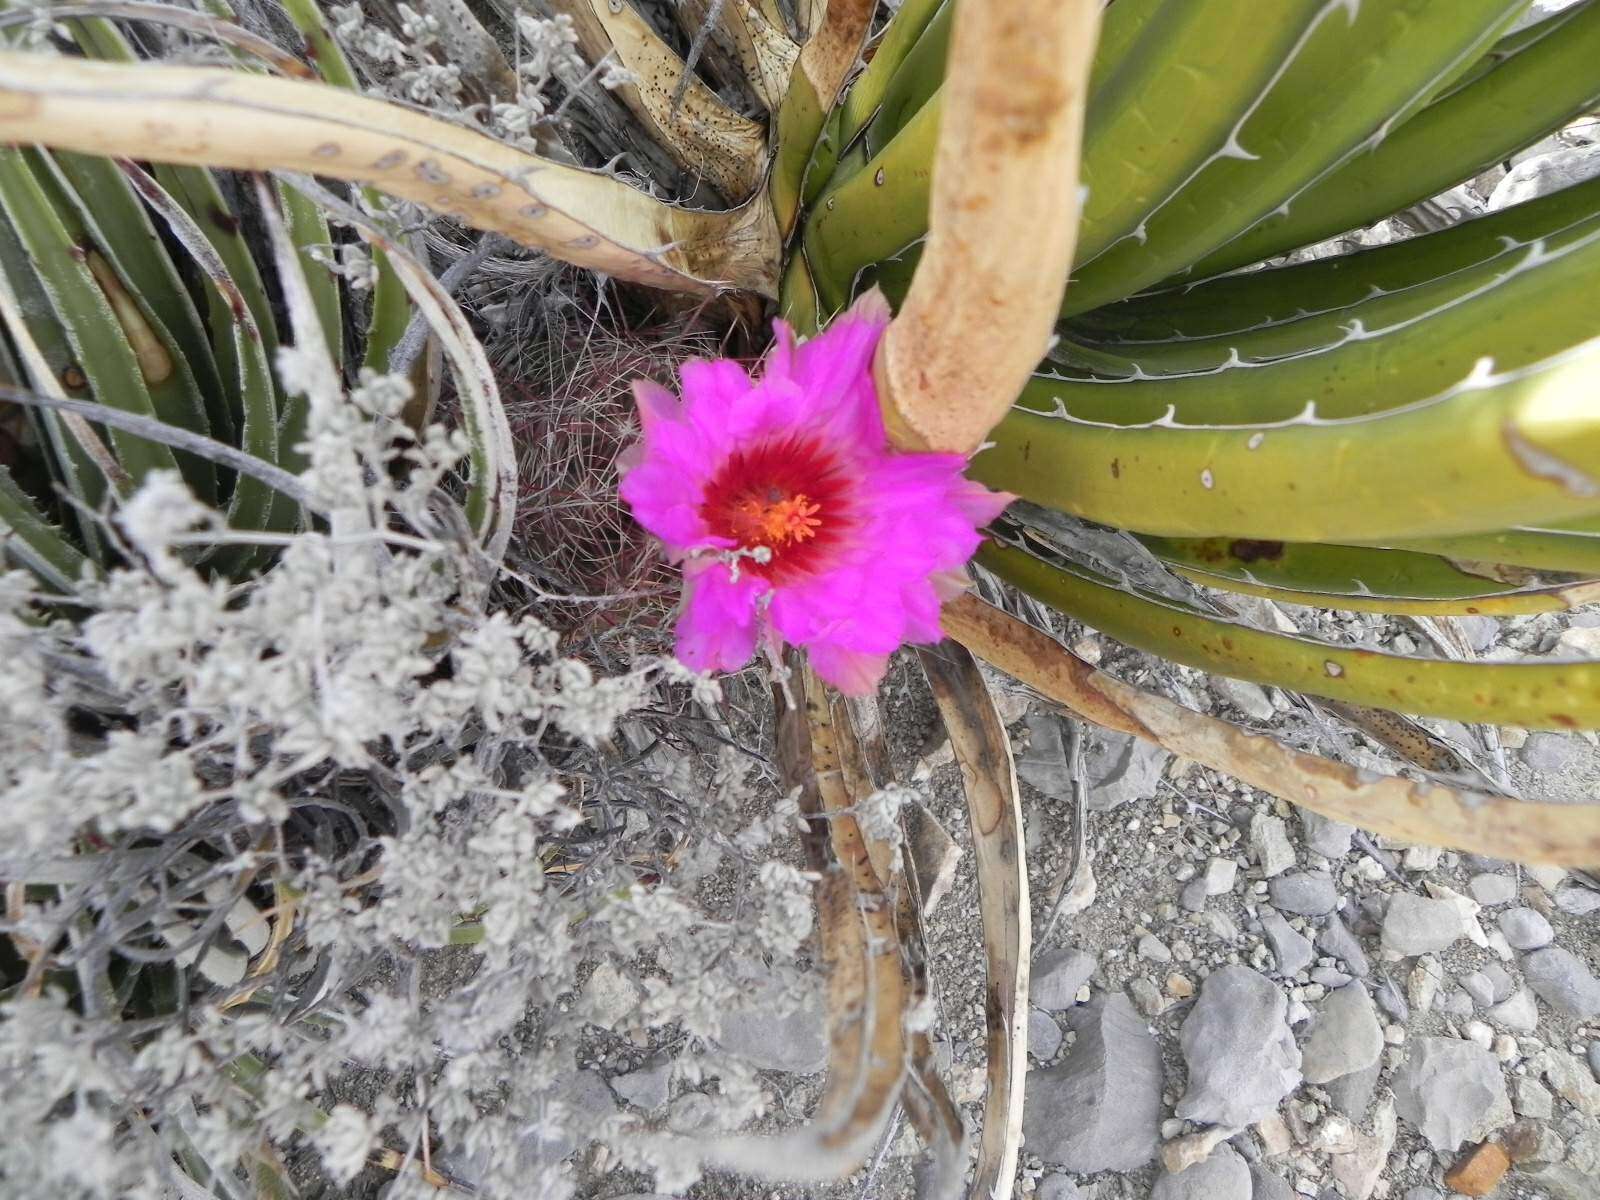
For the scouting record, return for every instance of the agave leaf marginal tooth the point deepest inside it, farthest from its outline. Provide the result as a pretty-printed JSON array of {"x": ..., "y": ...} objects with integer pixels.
[
  {"x": 1516, "y": 438},
  {"x": 1282, "y": 295},
  {"x": 1558, "y": 695},
  {"x": 1365, "y": 579},
  {"x": 703, "y": 135},
  {"x": 1335, "y": 72},
  {"x": 224, "y": 118},
  {"x": 1425, "y": 814},
  {"x": 1007, "y": 159},
  {"x": 1531, "y": 93},
  {"x": 994, "y": 807}
]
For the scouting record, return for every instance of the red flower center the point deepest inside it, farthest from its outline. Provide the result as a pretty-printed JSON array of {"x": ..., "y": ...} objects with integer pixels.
[{"x": 787, "y": 496}]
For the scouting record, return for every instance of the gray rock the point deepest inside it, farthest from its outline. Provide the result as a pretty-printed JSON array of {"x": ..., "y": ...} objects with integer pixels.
[
  {"x": 1552, "y": 753},
  {"x": 1121, "y": 768},
  {"x": 1223, "y": 1176},
  {"x": 1420, "y": 925},
  {"x": 1269, "y": 842},
  {"x": 692, "y": 1113},
  {"x": 609, "y": 995},
  {"x": 1264, "y": 1185},
  {"x": 646, "y": 1087},
  {"x": 1477, "y": 985},
  {"x": 587, "y": 1099},
  {"x": 1490, "y": 889},
  {"x": 1325, "y": 836},
  {"x": 1249, "y": 698},
  {"x": 1519, "y": 1012},
  {"x": 1044, "y": 1035},
  {"x": 1563, "y": 982},
  {"x": 771, "y": 1040},
  {"x": 1500, "y": 980},
  {"x": 1594, "y": 1058},
  {"x": 1057, "y": 976},
  {"x": 1329, "y": 977},
  {"x": 1336, "y": 939},
  {"x": 1058, "y": 1187},
  {"x": 1453, "y": 1002},
  {"x": 1347, "y": 1037},
  {"x": 1193, "y": 896},
  {"x": 1578, "y": 901},
  {"x": 1290, "y": 950},
  {"x": 1220, "y": 876},
  {"x": 1570, "y": 1077},
  {"x": 1307, "y": 893},
  {"x": 1531, "y": 1098},
  {"x": 1480, "y": 632},
  {"x": 1352, "y": 1094},
  {"x": 1154, "y": 949},
  {"x": 1240, "y": 1051},
  {"x": 1526, "y": 929},
  {"x": 1451, "y": 1090},
  {"x": 1423, "y": 1193},
  {"x": 1100, "y": 1109}
]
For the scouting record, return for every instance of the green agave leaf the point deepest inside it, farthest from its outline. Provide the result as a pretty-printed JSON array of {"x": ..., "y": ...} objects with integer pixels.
[
  {"x": 1525, "y": 304},
  {"x": 1571, "y": 547},
  {"x": 253, "y": 505},
  {"x": 171, "y": 383},
  {"x": 1359, "y": 578},
  {"x": 1259, "y": 299},
  {"x": 28, "y": 538},
  {"x": 1544, "y": 695},
  {"x": 1531, "y": 93},
  {"x": 1493, "y": 449},
  {"x": 1519, "y": 305},
  {"x": 100, "y": 346},
  {"x": 1253, "y": 105},
  {"x": 866, "y": 97},
  {"x": 915, "y": 83},
  {"x": 1511, "y": 44}
]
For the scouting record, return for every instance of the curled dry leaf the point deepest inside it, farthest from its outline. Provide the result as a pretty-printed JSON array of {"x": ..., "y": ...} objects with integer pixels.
[
  {"x": 1428, "y": 814},
  {"x": 983, "y": 303},
  {"x": 209, "y": 117},
  {"x": 989, "y": 779}
]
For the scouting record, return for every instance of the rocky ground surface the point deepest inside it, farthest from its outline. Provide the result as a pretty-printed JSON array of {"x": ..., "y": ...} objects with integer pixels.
[{"x": 1258, "y": 1003}]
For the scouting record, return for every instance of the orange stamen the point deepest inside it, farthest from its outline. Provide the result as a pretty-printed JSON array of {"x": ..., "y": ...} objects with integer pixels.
[{"x": 780, "y": 522}]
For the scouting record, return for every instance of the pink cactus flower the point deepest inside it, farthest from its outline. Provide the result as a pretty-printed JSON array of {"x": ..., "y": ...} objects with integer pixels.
[{"x": 794, "y": 519}]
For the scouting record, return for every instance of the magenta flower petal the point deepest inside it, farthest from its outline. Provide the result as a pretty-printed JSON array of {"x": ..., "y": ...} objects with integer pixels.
[
  {"x": 793, "y": 516},
  {"x": 717, "y": 628}
]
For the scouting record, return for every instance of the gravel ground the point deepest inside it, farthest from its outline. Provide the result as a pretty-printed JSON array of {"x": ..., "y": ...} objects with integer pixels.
[{"x": 1292, "y": 1007}]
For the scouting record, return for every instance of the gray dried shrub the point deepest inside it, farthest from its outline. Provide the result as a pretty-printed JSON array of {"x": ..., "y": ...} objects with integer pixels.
[{"x": 239, "y": 822}]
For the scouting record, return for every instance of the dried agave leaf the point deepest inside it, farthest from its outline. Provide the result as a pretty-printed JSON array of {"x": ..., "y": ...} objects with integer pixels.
[
  {"x": 868, "y": 989},
  {"x": 989, "y": 779},
  {"x": 210, "y": 117},
  {"x": 703, "y": 135},
  {"x": 1422, "y": 813},
  {"x": 746, "y": 38}
]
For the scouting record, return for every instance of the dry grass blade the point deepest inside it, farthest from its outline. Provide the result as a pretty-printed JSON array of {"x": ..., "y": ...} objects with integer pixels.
[
  {"x": 868, "y": 992},
  {"x": 218, "y": 118},
  {"x": 1523, "y": 831},
  {"x": 983, "y": 752},
  {"x": 983, "y": 303},
  {"x": 703, "y": 135}
]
